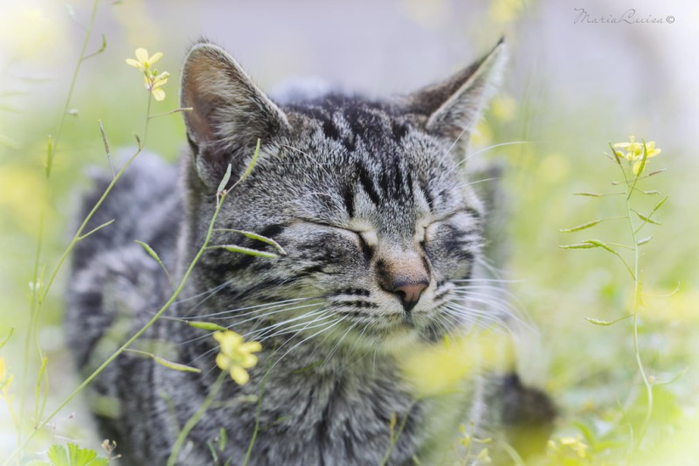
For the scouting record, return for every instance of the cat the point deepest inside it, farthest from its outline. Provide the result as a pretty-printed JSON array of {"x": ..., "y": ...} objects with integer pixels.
[{"x": 380, "y": 232}]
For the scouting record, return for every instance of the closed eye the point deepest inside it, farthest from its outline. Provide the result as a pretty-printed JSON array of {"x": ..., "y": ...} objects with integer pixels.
[
  {"x": 366, "y": 239},
  {"x": 466, "y": 220}
]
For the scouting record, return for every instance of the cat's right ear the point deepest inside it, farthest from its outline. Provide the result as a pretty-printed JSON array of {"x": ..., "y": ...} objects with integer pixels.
[
  {"x": 229, "y": 113},
  {"x": 453, "y": 107}
]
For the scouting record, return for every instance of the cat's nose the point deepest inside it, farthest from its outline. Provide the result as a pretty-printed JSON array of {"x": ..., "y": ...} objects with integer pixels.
[
  {"x": 409, "y": 292},
  {"x": 405, "y": 274}
]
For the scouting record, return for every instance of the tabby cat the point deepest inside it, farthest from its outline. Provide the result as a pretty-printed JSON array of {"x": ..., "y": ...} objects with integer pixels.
[{"x": 383, "y": 240}]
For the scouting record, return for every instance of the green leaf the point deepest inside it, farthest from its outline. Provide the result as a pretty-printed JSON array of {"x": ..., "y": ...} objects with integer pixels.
[
  {"x": 588, "y": 194},
  {"x": 96, "y": 229},
  {"x": 644, "y": 218},
  {"x": 586, "y": 431},
  {"x": 224, "y": 181},
  {"x": 206, "y": 326},
  {"x": 605, "y": 323},
  {"x": 252, "y": 163},
  {"x": 49, "y": 156},
  {"x": 606, "y": 247},
  {"x": 578, "y": 246},
  {"x": 594, "y": 243},
  {"x": 643, "y": 162},
  {"x": 83, "y": 456},
  {"x": 616, "y": 157},
  {"x": 644, "y": 241},
  {"x": 73, "y": 455},
  {"x": 164, "y": 362},
  {"x": 155, "y": 256},
  {"x": 653, "y": 173},
  {"x": 107, "y": 150},
  {"x": 212, "y": 451},
  {"x": 174, "y": 365},
  {"x": 150, "y": 251},
  {"x": 104, "y": 44},
  {"x": 58, "y": 455},
  {"x": 658, "y": 206},
  {"x": 250, "y": 166},
  {"x": 248, "y": 251},
  {"x": 640, "y": 171},
  {"x": 584, "y": 226},
  {"x": 7, "y": 338},
  {"x": 257, "y": 237},
  {"x": 599, "y": 244},
  {"x": 222, "y": 439}
]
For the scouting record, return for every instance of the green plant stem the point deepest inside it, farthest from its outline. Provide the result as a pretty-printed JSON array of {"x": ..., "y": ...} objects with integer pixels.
[
  {"x": 35, "y": 306},
  {"x": 394, "y": 441},
  {"x": 174, "y": 453},
  {"x": 636, "y": 304},
  {"x": 259, "y": 411},
  {"x": 78, "y": 234},
  {"x": 143, "y": 329}
]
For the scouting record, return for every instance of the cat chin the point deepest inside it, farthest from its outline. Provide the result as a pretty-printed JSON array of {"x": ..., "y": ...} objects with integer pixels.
[{"x": 400, "y": 340}]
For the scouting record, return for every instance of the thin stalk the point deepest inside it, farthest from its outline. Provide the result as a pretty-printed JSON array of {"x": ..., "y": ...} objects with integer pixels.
[
  {"x": 636, "y": 348},
  {"x": 35, "y": 306},
  {"x": 394, "y": 441},
  {"x": 177, "y": 110},
  {"x": 143, "y": 329},
  {"x": 78, "y": 234},
  {"x": 259, "y": 412},
  {"x": 196, "y": 417}
]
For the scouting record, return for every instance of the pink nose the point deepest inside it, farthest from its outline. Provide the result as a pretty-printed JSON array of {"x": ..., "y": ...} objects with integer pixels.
[{"x": 409, "y": 292}]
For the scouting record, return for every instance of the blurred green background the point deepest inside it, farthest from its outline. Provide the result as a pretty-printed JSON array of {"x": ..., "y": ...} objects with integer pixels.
[{"x": 572, "y": 87}]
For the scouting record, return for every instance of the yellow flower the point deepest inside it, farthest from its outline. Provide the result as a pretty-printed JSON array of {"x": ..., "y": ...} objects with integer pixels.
[
  {"x": 154, "y": 83},
  {"x": 634, "y": 152},
  {"x": 5, "y": 380},
  {"x": 236, "y": 355},
  {"x": 143, "y": 62},
  {"x": 483, "y": 456},
  {"x": 152, "y": 80},
  {"x": 575, "y": 444},
  {"x": 436, "y": 369}
]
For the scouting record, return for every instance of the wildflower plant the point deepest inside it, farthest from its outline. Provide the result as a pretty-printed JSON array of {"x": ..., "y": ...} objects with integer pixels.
[
  {"x": 236, "y": 355},
  {"x": 467, "y": 440},
  {"x": 152, "y": 80},
  {"x": 634, "y": 152},
  {"x": 41, "y": 286},
  {"x": 568, "y": 450},
  {"x": 631, "y": 158}
]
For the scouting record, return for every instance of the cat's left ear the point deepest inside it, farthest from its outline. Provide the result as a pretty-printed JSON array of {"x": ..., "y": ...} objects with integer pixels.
[
  {"x": 229, "y": 113},
  {"x": 454, "y": 106}
]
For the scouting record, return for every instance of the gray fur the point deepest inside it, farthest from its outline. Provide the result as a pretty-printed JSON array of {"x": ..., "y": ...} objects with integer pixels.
[{"x": 355, "y": 191}]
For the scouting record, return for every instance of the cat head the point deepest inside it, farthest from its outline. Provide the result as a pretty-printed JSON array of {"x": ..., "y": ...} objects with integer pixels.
[{"x": 367, "y": 198}]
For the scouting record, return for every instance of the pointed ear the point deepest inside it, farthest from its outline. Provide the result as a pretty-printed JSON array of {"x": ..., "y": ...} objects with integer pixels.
[
  {"x": 229, "y": 113},
  {"x": 454, "y": 106}
]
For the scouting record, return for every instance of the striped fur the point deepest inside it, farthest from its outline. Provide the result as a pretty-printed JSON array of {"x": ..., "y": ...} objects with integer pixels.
[{"x": 370, "y": 202}]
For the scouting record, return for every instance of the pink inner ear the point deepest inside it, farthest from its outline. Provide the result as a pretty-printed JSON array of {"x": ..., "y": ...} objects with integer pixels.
[
  {"x": 198, "y": 119},
  {"x": 194, "y": 94}
]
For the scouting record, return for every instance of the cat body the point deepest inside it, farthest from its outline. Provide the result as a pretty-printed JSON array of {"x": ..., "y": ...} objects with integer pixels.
[{"x": 380, "y": 232}]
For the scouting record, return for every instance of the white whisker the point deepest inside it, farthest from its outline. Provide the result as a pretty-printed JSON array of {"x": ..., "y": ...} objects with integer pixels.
[{"x": 306, "y": 339}]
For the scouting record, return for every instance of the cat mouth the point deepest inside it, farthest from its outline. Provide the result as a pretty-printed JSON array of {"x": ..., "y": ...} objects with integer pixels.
[{"x": 408, "y": 320}]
